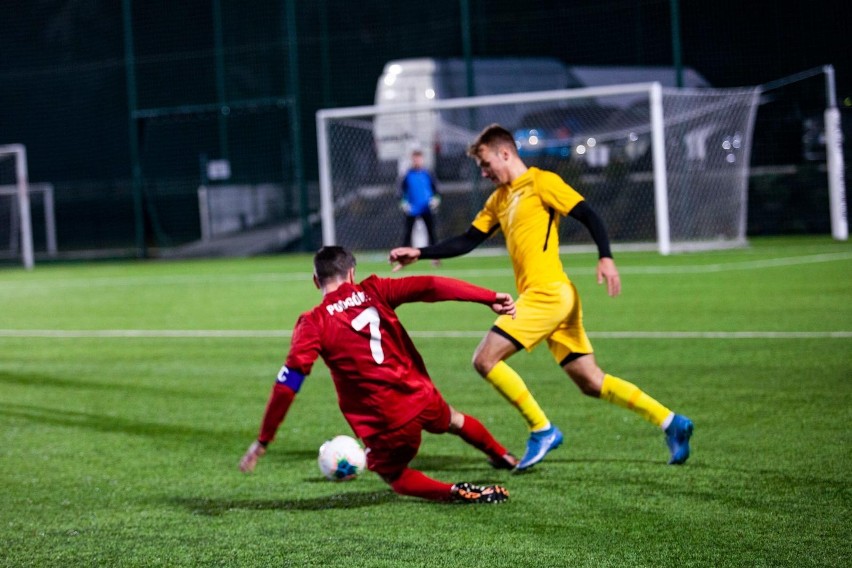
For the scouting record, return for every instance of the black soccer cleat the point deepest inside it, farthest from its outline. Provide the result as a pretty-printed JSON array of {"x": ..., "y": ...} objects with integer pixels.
[{"x": 465, "y": 492}]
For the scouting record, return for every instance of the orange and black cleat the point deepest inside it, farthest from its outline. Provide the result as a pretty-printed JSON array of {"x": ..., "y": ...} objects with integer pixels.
[{"x": 469, "y": 493}]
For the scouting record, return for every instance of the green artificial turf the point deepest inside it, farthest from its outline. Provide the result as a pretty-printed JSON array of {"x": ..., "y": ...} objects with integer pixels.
[{"x": 129, "y": 391}]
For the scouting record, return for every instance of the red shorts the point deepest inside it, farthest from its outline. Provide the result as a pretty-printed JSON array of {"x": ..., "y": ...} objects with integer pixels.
[{"x": 388, "y": 453}]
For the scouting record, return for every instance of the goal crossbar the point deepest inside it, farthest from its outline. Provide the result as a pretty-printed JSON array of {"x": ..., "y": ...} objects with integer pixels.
[{"x": 482, "y": 100}]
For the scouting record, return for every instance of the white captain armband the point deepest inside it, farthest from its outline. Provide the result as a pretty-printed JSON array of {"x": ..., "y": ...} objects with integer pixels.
[{"x": 291, "y": 378}]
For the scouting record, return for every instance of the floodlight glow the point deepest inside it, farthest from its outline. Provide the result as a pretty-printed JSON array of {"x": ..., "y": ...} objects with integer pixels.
[{"x": 393, "y": 71}]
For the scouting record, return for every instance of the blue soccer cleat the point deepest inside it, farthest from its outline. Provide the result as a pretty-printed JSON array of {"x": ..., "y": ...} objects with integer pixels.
[
  {"x": 677, "y": 438},
  {"x": 538, "y": 445}
]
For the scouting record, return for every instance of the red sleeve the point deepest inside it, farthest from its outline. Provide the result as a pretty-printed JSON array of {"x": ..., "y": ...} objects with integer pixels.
[
  {"x": 304, "y": 345},
  {"x": 430, "y": 289},
  {"x": 304, "y": 350},
  {"x": 279, "y": 403}
]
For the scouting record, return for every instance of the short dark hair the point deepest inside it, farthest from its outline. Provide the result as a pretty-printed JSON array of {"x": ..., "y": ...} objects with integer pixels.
[
  {"x": 492, "y": 136},
  {"x": 332, "y": 262}
]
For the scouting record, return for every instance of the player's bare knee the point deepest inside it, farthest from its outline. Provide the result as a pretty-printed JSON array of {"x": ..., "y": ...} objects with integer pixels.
[
  {"x": 482, "y": 364},
  {"x": 588, "y": 388},
  {"x": 586, "y": 374},
  {"x": 456, "y": 421},
  {"x": 588, "y": 383}
]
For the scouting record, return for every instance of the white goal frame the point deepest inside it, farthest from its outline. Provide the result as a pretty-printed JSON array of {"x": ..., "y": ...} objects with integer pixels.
[
  {"x": 46, "y": 191},
  {"x": 19, "y": 153},
  {"x": 654, "y": 91},
  {"x": 834, "y": 158}
]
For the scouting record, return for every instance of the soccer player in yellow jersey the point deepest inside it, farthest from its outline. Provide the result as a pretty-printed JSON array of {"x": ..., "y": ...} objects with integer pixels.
[{"x": 527, "y": 205}]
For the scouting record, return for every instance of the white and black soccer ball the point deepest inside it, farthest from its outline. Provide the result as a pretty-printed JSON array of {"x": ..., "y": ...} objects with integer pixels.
[{"x": 341, "y": 458}]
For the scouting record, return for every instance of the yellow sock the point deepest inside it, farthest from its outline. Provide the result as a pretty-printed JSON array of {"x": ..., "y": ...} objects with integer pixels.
[
  {"x": 627, "y": 395},
  {"x": 512, "y": 387}
]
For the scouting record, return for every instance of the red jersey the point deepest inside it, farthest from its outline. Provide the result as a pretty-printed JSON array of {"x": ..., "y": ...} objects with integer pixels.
[{"x": 380, "y": 378}]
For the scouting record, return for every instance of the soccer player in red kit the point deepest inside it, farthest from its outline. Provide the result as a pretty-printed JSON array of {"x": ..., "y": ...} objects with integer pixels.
[{"x": 383, "y": 388}]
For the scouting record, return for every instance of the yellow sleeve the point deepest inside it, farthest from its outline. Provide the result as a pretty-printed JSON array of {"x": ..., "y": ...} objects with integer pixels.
[
  {"x": 555, "y": 193},
  {"x": 487, "y": 218}
]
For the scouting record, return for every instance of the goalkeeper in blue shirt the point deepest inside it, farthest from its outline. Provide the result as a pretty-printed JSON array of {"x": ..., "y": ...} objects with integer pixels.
[{"x": 420, "y": 198}]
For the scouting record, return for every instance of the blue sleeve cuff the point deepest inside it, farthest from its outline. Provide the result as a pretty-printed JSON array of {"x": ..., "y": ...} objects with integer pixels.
[{"x": 291, "y": 378}]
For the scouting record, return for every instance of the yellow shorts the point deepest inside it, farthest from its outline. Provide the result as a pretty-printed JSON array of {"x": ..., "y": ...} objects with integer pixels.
[{"x": 554, "y": 313}]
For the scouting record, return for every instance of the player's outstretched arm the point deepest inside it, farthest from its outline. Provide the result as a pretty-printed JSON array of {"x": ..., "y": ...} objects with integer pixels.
[
  {"x": 504, "y": 305},
  {"x": 254, "y": 453},
  {"x": 448, "y": 248},
  {"x": 281, "y": 398},
  {"x": 403, "y": 256}
]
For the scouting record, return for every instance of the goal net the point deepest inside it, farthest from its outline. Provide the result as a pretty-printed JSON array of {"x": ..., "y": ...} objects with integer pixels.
[{"x": 663, "y": 167}]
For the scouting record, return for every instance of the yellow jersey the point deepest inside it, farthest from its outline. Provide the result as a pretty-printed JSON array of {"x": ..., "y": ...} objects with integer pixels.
[{"x": 528, "y": 212}]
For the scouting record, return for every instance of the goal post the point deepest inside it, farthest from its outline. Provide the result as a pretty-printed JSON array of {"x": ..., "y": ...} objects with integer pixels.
[
  {"x": 17, "y": 153},
  {"x": 661, "y": 187},
  {"x": 666, "y": 168},
  {"x": 834, "y": 158},
  {"x": 836, "y": 178}
]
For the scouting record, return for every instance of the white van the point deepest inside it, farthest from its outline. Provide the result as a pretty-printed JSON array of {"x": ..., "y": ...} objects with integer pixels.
[{"x": 443, "y": 136}]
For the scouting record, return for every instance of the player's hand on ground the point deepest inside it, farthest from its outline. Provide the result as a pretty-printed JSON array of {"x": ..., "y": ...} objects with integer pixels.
[
  {"x": 607, "y": 272},
  {"x": 504, "y": 305},
  {"x": 252, "y": 455},
  {"x": 403, "y": 256}
]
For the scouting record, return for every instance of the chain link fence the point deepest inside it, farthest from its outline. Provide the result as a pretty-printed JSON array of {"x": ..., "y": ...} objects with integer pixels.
[{"x": 203, "y": 82}]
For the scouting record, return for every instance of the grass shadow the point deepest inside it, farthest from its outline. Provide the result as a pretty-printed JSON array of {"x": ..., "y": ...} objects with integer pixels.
[
  {"x": 353, "y": 500},
  {"x": 54, "y": 382},
  {"x": 112, "y": 424}
]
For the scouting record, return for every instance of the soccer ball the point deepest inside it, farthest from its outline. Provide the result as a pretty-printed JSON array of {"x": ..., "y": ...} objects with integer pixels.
[{"x": 341, "y": 458}]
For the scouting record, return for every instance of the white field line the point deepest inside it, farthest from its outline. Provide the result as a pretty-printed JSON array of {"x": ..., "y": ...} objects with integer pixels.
[
  {"x": 272, "y": 334},
  {"x": 746, "y": 265},
  {"x": 685, "y": 269},
  {"x": 459, "y": 273}
]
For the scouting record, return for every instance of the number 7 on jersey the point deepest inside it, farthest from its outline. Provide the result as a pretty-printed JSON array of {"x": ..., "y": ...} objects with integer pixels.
[{"x": 370, "y": 316}]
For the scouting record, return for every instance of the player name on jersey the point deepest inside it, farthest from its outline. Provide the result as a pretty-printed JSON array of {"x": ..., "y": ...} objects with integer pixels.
[{"x": 356, "y": 299}]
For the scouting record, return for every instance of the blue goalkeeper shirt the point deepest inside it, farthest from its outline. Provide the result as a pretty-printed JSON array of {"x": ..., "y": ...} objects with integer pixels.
[{"x": 418, "y": 187}]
